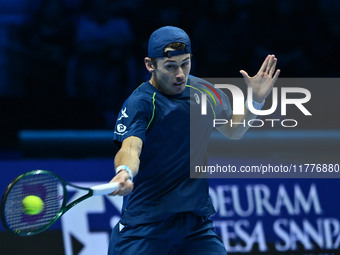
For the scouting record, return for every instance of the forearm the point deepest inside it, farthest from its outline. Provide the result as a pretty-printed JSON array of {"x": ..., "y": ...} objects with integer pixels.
[
  {"x": 126, "y": 158},
  {"x": 127, "y": 165},
  {"x": 129, "y": 153}
]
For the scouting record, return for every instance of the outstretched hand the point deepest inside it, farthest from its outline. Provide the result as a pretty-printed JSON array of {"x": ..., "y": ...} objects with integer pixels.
[{"x": 263, "y": 82}]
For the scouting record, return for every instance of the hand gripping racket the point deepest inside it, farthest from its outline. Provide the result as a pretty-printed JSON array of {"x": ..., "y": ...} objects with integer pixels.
[{"x": 52, "y": 190}]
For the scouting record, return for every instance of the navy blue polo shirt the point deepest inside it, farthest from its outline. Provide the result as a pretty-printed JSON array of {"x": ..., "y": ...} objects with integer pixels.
[{"x": 163, "y": 186}]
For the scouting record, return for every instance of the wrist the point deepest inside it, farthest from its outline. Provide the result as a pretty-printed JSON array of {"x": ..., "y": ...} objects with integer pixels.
[
  {"x": 126, "y": 169},
  {"x": 256, "y": 105}
]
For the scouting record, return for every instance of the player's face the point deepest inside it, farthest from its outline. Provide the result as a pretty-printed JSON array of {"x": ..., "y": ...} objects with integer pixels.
[{"x": 171, "y": 74}]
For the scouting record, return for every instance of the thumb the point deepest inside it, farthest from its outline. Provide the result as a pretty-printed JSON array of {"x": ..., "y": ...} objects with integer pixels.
[{"x": 244, "y": 74}]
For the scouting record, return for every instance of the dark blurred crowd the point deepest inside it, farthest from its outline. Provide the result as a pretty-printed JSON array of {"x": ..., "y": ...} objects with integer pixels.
[{"x": 81, "y": 55}]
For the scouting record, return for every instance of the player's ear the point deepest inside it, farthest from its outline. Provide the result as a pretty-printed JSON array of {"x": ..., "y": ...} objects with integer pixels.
[{"x": 149, "y": 65}]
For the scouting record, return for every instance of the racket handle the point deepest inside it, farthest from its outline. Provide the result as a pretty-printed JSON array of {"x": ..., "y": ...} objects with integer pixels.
[{"x": 104, "y": 189}]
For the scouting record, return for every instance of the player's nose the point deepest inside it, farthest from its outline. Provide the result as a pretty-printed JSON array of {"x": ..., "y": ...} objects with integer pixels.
[{"x": 180, "y": 74}]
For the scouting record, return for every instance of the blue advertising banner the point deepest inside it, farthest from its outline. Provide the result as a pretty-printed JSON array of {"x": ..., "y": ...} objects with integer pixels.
[{"x": 277, "y": 215}]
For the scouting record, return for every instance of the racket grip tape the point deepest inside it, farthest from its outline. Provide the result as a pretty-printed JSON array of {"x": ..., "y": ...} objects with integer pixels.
[{"x": 104, "y": 189}]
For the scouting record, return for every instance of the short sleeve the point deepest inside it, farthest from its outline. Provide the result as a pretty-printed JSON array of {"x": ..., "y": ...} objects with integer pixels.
[
  {"x": 219, "y": 100},
  {"x": 133, "y": 119}
]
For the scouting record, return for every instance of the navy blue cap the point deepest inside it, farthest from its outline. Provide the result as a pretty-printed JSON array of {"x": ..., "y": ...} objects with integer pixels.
[{"x": 164, "y": 36}]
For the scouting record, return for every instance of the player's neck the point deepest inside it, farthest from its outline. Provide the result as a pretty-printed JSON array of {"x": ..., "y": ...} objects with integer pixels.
[{"x": 154, "y": 83}]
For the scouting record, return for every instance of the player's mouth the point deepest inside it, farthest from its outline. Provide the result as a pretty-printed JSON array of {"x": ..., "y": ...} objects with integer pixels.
[{"x": 179, "y": 84}]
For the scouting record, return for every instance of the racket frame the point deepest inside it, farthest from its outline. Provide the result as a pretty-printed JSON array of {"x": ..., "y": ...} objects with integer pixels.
[{"x": 64, "y": 207}]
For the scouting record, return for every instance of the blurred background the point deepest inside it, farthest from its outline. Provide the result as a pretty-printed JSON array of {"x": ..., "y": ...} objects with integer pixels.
[
  {"x": 69, "y": 64},
  {"x": 66, "y": 67}
]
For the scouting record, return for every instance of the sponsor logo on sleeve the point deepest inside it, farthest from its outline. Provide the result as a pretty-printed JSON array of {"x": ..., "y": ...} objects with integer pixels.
[
  {"x": 121, "y": 129},
  {"x": 123, "y": 114}
]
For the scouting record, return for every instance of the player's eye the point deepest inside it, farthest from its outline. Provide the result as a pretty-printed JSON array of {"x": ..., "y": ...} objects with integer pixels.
[
  {"x": 171, "y": 67},
  {"x": 185, "y": 64}
]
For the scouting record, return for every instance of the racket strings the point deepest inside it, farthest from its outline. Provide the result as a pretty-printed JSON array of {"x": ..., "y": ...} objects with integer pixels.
[{"x": 45, "y": 186}]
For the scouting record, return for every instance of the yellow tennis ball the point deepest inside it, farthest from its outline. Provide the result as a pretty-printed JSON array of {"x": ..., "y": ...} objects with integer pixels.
[{"x": 32, "y": 205}]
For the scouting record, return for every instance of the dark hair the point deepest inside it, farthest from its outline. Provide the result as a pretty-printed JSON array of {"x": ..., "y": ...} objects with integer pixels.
[{"x": 174, "y": 46}]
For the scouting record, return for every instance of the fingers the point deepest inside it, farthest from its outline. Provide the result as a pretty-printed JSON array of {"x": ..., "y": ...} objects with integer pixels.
[
  {"x": 125, "y": 188},
  {"x": 264, "y": 65},
  {"x": 277, "y": 73},
  {"x": 267, "y": 68},
  {"x": 272, "y": 66},
  {"x": 269, "y": 65},
  {"x": 125, "y": 184}
]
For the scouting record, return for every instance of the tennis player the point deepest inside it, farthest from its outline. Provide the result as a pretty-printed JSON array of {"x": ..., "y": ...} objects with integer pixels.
[{"x": 164, "y": 210}]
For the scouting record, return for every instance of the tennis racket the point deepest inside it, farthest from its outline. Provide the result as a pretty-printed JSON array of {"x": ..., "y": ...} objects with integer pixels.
[{"x": 52, "y": 190}]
